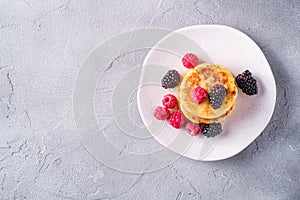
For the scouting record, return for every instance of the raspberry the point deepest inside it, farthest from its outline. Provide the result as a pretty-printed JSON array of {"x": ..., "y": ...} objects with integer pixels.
[
  {"x": 190, "y": 60},
  {"x": 177, "y": 119},
  {"x": 217, "y": 95},
  {"x": 212, "y": 130},
  {"x": 193, "y": 128},
  {"x": 161, "y": 113},
  {"x": 169, "y": 101},
  {"x": 199, "y": 95},
  {"x": 171, "y": 79},
  {"x": 247, "y": 83}
]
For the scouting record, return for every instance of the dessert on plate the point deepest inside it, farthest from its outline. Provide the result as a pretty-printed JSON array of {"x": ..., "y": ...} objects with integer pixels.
[{"x": 206, "y": 95}]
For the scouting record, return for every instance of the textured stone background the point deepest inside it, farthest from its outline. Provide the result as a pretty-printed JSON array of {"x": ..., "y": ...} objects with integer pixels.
[{"x": 43, "y": 44}]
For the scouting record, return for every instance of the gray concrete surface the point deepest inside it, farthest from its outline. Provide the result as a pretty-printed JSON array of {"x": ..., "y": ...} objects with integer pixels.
[{"x": 44, "y": 43}]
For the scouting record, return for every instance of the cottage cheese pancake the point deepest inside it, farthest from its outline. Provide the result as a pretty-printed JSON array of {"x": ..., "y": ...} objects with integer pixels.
[{"x": 206, "y": 76}]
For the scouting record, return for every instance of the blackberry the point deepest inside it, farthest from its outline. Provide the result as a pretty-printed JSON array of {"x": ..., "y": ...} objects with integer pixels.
[
  {"x": 212, "y": 130},
  {"x": 171, "y": 79},
  {"x": 247, "y": 83},
  {"x": 217, "y": 95}
]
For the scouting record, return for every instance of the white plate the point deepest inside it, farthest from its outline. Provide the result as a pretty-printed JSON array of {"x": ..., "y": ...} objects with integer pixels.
[{"x": 217, "y": 44}]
